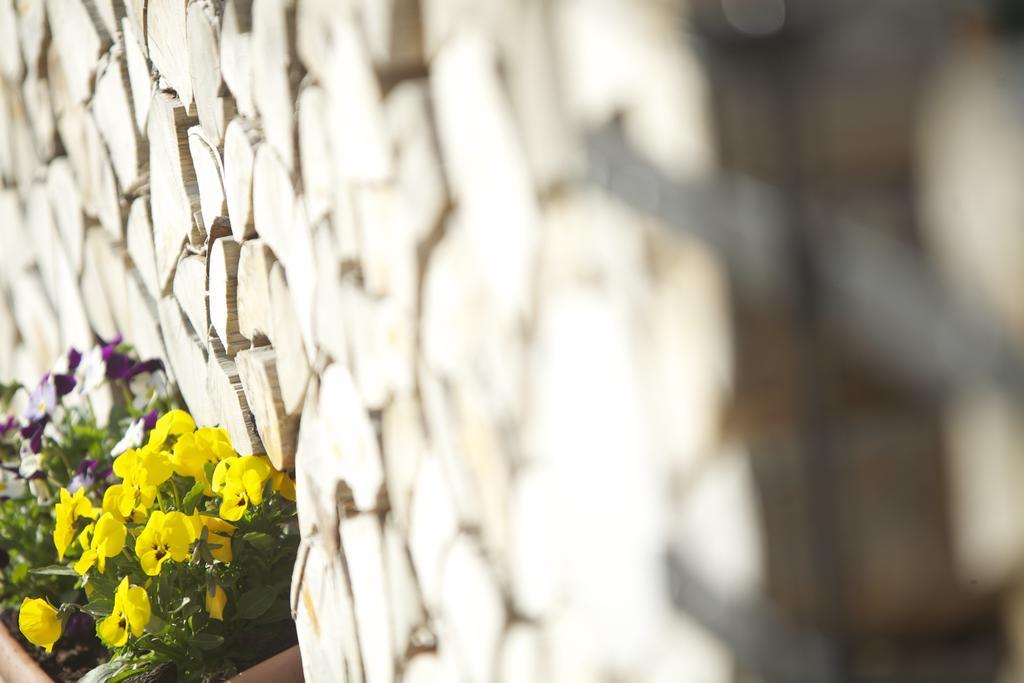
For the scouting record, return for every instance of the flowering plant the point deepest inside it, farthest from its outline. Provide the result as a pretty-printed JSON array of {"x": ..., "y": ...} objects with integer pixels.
[
  {"x": 64, "y": 433},
  {"x": 186, "y": 555}
]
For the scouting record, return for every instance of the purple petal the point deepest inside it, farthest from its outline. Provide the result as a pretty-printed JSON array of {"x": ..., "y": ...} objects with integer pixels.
[
  {"x": 74, "y": 358},
  {"x": 7, "y": 425},
  {"x": 118, "y": 365},
  {"x": 79, "y": 625},
  {"x": 149, "y": 421},
  {"x": 79, "y": 481},
  {"x": 64, "y": 384},
  {"x": 108, "y": 347},
  {"x": 33, "y": 431},
  {"x": 86, "y": 465},
  {"x": 150, "y": 366}
]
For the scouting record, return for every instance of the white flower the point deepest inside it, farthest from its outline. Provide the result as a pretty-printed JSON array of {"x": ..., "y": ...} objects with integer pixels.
[
  {"x": 91, "y": 371},
  {"x": 131, "y": 439},
  {"x": 11, "y": 485},
  {"x": 41, "y": 490},
  {"x": 43, "y": 399},
  {"x": 145, "y": 387},
  {"x": 30, "y": 462},
  {"x": 52, "y": 431}
]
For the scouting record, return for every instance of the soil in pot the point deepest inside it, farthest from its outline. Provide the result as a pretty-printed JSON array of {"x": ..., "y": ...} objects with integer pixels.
[{"x": 75, "y": 654}]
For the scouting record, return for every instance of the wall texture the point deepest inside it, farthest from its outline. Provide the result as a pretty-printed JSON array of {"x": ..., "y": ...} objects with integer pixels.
[{"x": 360, "y": 235}]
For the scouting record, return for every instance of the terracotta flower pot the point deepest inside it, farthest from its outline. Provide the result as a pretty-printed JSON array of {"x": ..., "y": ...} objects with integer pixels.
[
  {"x": 16, "y": 666},
  {"x": 284, "y": 667}
]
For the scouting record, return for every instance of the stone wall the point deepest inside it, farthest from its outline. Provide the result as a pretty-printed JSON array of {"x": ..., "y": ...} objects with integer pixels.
[{"x": 360, "y": 235}]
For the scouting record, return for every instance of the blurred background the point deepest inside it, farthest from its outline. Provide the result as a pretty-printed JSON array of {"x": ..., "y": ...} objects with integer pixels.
[{"x": 867, "y": 156}]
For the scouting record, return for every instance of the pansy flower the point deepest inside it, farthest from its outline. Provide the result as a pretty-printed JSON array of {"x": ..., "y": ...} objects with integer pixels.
[
  {"x": 166, "y": 537},
  {"x": 40, "y": 622},
  {"x": 92, "y": 371},
  {"x": 100, "y": 541},
  {"x": 42, "y": 400},
  {"x": 71, "y": 508},
  {"x": 132, "y": 437},
  {"x": 147, "y": 383},
  {"x": 12, "y": 484},
  {"x": 239, "y": 482},
  {"x": 7, "y": 425},
  {"x": 131, "y": 614},
  {"x": 87, "y": 474}
]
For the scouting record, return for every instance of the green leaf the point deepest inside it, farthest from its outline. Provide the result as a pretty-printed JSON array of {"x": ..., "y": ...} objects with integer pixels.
[
  {"x": 54, "y": 570},
  {"x": 192, "y": 498},
  {"x": 184, "y": 603},
  {"x": 279, "y": 611},
  {"x": 99, "y": 608},
  {"x": 259, "y": 540},
  {"x": 19, "y": 573},
  {"x": 102, "y": 673},
  {"x": 254, "y": 603},
  {"x": 7, "y": 392},
  {"x": 207, "y": 641}
]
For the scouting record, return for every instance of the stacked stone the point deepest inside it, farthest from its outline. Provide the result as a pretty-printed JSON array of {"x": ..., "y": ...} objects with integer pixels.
[{"x": 360, "y": 235}]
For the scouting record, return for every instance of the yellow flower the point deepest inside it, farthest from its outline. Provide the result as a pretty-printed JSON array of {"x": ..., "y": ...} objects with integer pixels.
[
  {"x": 142, "y": 470},
  {"x": 112, "y": 502},
  {"x": 240, "y": 482},
  {"x": 194, "y": 451},
  {"x": 283, "y": 484},
  {"x": 215, "y": 602},
  {"x": 219, "y": 534},
  {"x": 107, "y": 540},
  {"x": 166, "y": 536},
  {"x": 69, "y": 510},
  {"x": 173, "y": 423},
  {"x": 131, "y": 613},
  {"x": 39, "y": 622}
]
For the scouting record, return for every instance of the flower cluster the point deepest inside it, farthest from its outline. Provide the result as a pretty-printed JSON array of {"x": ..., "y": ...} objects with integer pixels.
[
  {"x": 64, "y": 434},
  {"x": 175, "y": 551}
]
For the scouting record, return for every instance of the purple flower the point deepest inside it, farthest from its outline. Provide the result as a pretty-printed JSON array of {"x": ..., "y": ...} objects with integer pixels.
[
  {"x": 108, "y": 347},
  {"x": 149, "y": 366},
  {"x": 43, "y": 398},
  {"x": 149, "y": 421},
  {"x": 33, "y": 432},
  {"x": 78, "y": 626},
  {"x": 119, "y": 366},
  {"x": 74, "y": 358},
  {"x": 87, "y": 474},
  {"x": 8, "y": 424},
  {"x": 64, "y": 384}
]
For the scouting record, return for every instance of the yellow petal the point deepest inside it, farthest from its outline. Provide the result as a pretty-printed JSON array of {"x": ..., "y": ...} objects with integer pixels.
[
  {"x": 109, "y": 536},
  {"x": 215, "y": 603},
  {"x": 157, "y": 467},
  {"x": 150, "y": 564},
  {"x": 126, "y": 463},
  {"x": 284, "y": 485},
  {"x": 221, "y": 473},
  {"x": 136, "y": 609},
  {"x": 253, "y": 486},
  {"x": 112, "y": 630},
  {"x": 86, "y": 561},
  {"x": 173, "y": 423},
  {"x": 39, "y": 623}
]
